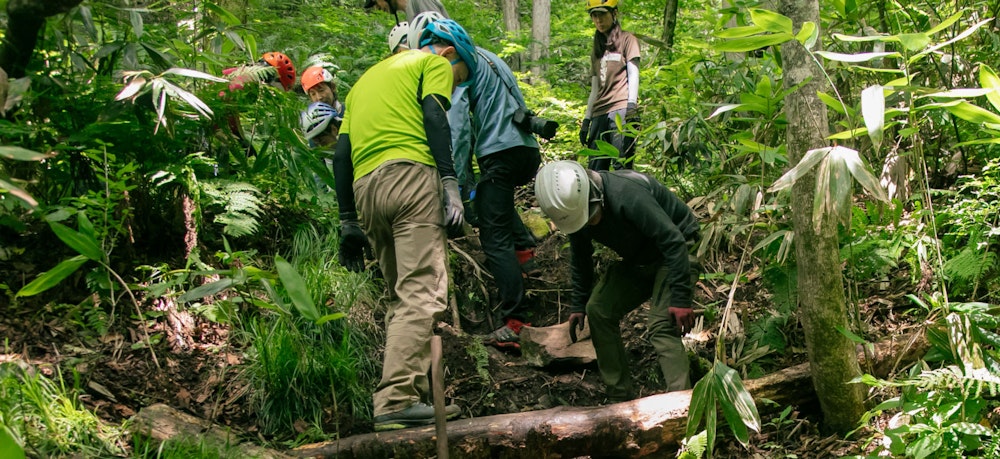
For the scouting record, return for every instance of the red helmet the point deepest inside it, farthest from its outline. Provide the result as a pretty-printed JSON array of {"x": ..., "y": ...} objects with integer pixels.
[
  {"x": 315, "y": 75},
  {"x": 286, "y": 70}
]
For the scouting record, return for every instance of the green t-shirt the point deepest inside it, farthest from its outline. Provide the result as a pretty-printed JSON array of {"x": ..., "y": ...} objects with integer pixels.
[{"x": 384, "y": 117}]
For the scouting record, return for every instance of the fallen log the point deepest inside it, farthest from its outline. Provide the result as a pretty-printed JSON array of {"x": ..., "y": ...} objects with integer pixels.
[
  {"x": 161, "y": 423},
  {"x": 639, "y": 428}
]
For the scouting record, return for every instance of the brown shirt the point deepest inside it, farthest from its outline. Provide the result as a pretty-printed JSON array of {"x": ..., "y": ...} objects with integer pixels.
[{"x": 612, "y": 81}]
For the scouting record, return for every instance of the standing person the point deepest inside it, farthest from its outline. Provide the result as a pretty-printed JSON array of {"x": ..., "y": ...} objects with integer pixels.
[
  {"x": 395, "y": 147},
  {"x": 508, "y": 157},
  {"x": 409, "y": 7},
  {"x": 614, "y": 86},
  {"x": 652, "y": 230}
]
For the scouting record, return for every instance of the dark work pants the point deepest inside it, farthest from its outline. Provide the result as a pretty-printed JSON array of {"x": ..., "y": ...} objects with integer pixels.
[
  {"x": 604, "y": 128},
  {"x": 500, "y": 226}
]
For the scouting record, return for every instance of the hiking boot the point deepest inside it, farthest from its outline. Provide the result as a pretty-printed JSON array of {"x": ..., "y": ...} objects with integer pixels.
[
  {"x": 419, "y": 414},
  {"x": 529, "y": 268},
  {"x": 506, "y": 336}
]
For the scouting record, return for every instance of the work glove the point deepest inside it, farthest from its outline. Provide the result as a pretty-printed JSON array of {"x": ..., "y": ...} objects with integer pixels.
[
  {"x": 683, "y": 317},
  {"x": 576, "y": 320},
  {"x": 585, "y": 132},
  {"x": 352, "y": 245},
  {"x": 631, "y": 110},
  {"x": 453, "y": 209}
]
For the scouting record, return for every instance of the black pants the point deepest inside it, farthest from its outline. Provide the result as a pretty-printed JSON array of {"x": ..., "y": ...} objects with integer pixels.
[
  {"x": 604, "y": 128},
  {"x": 500, "y": 226}
]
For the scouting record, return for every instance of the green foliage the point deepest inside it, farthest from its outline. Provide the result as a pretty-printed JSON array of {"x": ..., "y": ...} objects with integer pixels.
[
  {"x": 44, "y": 417},
  {"x": 240, "y": 202},
  {"x": 183, "y": 448},
  {"x": 722, "y": 389},
  {"x": 940, "y": 410}
]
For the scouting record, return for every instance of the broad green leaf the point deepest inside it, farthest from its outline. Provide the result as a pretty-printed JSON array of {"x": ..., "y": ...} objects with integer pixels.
[
  {"x": 771, "y": 21},
  {"x": 204, "y": 290},
  {"x": 854, "y": 58},
  {"x": 971, "y": 428},
  {"x": 737, "y": 404},
  {"x": 873, "y": 112},
  {"x": 924, "y": 446},
  {"x": 329, "y": 317},
  {"x": 740, "y": 45},
  {"x": 740, "y": 32},
  {"x": 136, "y": 19},
  {"x": 808, "y": 34},
  {"x": 194, "y": 74},
  {"x": 53, "y": 277},
  {"x": 844, "y": 135},
  {"x": 832, "y": 102},
  {"x": 229, "y": 18},
  {"x": 701, "y": 399},
  {"x": 945, "y": 24},
  {"x": 297, "y": 290},
  {"x": 867, "y": 38},
  {"x": 9, "y": 448},
  {"x": 914, "y": 41},
  {"x": 988, "y": 79},
  {"x": 992, "y": 141},
  {"x": 22, "y": 154},
  {"x": 18, "y": 193},
  {"x": 960, "y": 93},
  {"x": 972, "y": 113},
  {"x": 85, "y": 226},
  {"x": 84, "y": 245},
  {"x": 958, "y": 37}
]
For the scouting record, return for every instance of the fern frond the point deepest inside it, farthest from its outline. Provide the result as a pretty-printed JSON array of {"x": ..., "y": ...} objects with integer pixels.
[{"x": 241, "y": 205}]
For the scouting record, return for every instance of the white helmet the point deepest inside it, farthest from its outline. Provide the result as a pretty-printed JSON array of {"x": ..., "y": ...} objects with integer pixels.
[
  {"x": 418, "y": 25},
  {"x": 563, "y": 192},
  {"x": 397, "y": 36},
  {"x": 317, "y": 118}
]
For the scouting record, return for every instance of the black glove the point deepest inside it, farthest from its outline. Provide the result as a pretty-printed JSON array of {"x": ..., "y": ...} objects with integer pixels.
[
  {"x": 631, "y": 110},
  {"x": 585, "y": 132},
  {"x": 352, "y": 245},
  {"x": 576, "y": 320}
]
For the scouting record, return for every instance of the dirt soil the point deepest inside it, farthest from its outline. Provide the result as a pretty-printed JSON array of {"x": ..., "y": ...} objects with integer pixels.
[{"x": 195, "y": 368}]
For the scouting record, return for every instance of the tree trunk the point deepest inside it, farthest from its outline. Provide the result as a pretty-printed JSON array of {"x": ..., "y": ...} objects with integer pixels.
[
  {"x": 25, "y": 19},
  {"x": 512, "y": 24},
  {"x": 648, "y": 427},
  {"x": 669, "y": 23},
  {"x": 541, "y": 11},
  {"x": 820, "y": 285}
]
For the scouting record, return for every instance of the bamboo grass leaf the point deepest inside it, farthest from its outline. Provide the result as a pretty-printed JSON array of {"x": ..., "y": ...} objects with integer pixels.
[
  {"x": 194, "y": 74},
  {"x": 53, "y": 277},
  {"x": 988, "y": 79},
  {"x": 806, "y": 165},
  {"x": 739, "y": 45},
  {"x": 855, "y": 58},
  {"x": 873, "y": 111},
  {"x": 295, "y": 285},
  {"x": 958, "y": 37},
  {"x": 771, "y": 21},
  {"x": 18, "y": 193},
  {"x": 22, "y": 154},
  {"x": 84, "y": 245}
]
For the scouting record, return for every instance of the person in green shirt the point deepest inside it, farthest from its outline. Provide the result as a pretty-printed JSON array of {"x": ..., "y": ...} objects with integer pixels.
[{"x": 393, "y": 167}]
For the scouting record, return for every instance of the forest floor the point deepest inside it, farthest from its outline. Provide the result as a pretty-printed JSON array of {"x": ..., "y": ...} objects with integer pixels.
[{"x": 198, "y": 368}]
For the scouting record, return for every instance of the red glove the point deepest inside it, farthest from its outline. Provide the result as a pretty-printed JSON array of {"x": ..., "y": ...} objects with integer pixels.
[
  {"x": 576, "y": 320},
  {"x": 683, "y": 317}
]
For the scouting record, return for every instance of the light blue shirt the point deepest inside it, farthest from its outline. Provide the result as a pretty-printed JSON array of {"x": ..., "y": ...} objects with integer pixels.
[{"x": 492, "y": 99}]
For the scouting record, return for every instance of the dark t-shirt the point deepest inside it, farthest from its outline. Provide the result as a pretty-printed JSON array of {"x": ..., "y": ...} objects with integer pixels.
[{"x": 612, "y": 79}]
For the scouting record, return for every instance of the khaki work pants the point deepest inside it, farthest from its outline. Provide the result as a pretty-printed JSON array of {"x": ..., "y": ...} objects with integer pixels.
[{"x": 401, "y": 208}]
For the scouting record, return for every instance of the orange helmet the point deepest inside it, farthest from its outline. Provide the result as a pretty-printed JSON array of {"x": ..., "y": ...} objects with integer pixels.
[
  {"x": 286, "y": 70},
  {"x": 315, "y": 75}
]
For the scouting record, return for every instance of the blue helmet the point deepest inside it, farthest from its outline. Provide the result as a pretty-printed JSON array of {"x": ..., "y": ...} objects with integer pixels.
[{"x": 450, "y": 31}]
